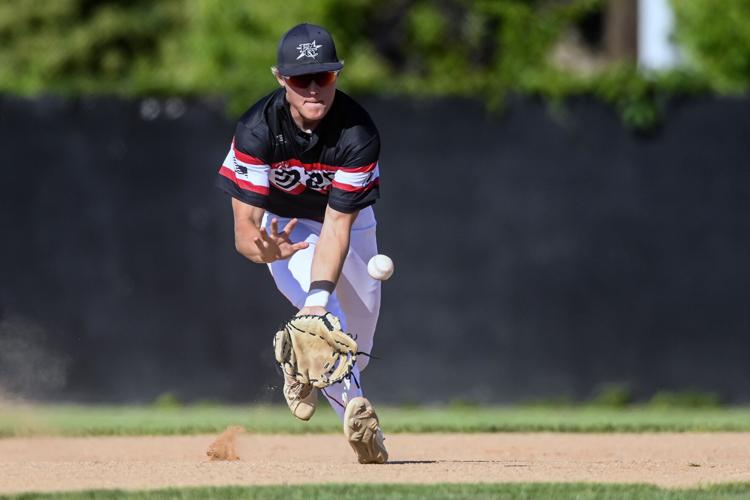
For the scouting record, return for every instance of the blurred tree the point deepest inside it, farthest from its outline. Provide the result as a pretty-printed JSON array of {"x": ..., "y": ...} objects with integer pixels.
[
  {"x": 479, "y": 48},
  {"x": 716, "y": 37},
  {"x": 79, "y": 46}
]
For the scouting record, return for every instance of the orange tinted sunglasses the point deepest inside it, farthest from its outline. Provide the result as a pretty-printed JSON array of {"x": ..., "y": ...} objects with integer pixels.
[{"x": 321, "y": 79}]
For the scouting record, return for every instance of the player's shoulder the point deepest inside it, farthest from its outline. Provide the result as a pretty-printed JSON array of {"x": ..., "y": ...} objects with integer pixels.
[
  {"x": 253, "y": 130},
  {"x": 257, "y": 114},
  {"x": 355, "y": 121},
  {"x": 358, "y": 140}
]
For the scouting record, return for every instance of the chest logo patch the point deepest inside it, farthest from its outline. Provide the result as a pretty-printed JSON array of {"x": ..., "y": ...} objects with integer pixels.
[
  {"x": 308, "y": 50},
  {"x": 296, "y": 179}
]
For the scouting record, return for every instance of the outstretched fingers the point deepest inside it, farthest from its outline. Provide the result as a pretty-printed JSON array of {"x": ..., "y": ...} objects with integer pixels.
[
  {"x": 299, "y": 246},
  {"x": 262, "y": 241},
  {"x": 290, "y": 227},
  {"x": 278, "y": 243},
  {"x": 290, "y": 249},
  {"x": 288, "y": 233},
  {"x": 259, "y": 243}
]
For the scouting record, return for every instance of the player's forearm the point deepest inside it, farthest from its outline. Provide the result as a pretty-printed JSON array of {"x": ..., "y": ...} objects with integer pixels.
[
  {"x": 245, "y": 235},
  {"x": 330, "y": 253},
  {"x": 247, "y": 221},
  {"x": 244, "y": 242}
]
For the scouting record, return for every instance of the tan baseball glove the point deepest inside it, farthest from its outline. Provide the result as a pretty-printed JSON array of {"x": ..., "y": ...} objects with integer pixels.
[{"x": 314, "y": 350}]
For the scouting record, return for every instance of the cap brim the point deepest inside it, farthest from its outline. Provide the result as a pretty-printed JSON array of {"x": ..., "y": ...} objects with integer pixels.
[{"x": 304, "y": 69}]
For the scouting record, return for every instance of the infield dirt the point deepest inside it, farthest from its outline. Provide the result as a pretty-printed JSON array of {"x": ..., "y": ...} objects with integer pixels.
[{"x": 671, "y": 460}]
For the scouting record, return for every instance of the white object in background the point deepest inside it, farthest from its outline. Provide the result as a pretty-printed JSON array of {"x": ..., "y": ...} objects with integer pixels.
[
  {"x": 656, "y": 47},
  {"x": 380, "y": 267}
]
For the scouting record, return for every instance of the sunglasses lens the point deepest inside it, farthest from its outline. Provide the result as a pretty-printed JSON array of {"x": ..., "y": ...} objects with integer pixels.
[
  {"x": 301, "y": 81},
  {"x": 321, "y": 79},
  {"x": 325, "y": 78}
]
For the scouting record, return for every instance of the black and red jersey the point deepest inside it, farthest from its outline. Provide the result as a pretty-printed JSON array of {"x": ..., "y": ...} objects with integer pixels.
[{"x": 274, "y": 165}]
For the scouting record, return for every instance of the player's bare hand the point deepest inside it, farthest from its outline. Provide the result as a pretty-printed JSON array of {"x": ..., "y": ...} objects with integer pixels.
[
  {"x": 308, "y": 310},
  {"x": 277, "y": 245}
]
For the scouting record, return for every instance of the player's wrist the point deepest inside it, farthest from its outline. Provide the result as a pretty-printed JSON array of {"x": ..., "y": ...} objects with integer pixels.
[
  {"x": 320, "y": 292},
  {"x": 259, "y": 258},
  {"x": 317, "y": 298}
]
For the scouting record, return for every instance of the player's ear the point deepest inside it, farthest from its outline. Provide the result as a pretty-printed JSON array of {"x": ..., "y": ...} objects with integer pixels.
[{"x": 279, "y": 79}]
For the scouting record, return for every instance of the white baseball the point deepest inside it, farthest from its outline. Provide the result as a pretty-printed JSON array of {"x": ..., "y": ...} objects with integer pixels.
[{"x": 380, "y": 267}]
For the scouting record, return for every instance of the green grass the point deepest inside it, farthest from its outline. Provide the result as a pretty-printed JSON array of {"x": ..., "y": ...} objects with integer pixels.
[
  {"x": 578, "y": 491},
  {"x": 72, "y": 420}
]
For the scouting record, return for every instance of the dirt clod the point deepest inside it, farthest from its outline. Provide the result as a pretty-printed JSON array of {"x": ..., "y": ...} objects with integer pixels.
[{"x": 225, "y": 446}]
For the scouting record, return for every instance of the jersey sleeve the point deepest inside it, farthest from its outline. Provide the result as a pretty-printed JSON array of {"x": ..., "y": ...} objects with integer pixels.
[
  {"x": 244, "y": 172},
  {"x": 356, "y": 184}
]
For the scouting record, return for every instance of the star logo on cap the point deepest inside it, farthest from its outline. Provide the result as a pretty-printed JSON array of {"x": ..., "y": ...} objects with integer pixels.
[{"x": 308, "y": 50}]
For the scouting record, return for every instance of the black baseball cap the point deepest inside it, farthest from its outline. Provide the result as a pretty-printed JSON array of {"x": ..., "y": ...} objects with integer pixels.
[{"x": 307, "y": 48}]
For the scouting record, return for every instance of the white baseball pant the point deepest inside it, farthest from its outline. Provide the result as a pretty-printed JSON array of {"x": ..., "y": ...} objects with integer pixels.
[{"x": 356, "y": 300}]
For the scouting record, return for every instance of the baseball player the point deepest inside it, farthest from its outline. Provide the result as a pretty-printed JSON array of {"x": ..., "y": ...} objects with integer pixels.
[{"x": 303, "y": 175}]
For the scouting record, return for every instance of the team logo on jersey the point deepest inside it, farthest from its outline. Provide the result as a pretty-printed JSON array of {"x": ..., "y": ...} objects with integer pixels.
[
  {"x": 287, "y": 179},
  {"x": 319, "y": 180},
  {"x": 308, "y": 50},
  {"x": 295, "y": 179}
]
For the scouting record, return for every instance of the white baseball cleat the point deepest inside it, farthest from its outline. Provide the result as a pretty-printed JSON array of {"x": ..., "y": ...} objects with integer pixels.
[
  {"x": 362, "y": 430},
  {"x": 300, "y": 397}
]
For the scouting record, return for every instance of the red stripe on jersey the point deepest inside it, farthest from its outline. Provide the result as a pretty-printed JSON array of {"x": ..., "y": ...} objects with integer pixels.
[
  {"x": 363, "y": 168},
  {"x": 243, "y": 184},
  {"x": 293, "y": 162},
  {"x": 350, "y": 188},
  {"x": 244, "y": 157}
]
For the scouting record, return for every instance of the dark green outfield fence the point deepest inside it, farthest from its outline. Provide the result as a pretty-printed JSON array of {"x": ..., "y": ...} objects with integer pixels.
[{"x": 535, "y": 255}]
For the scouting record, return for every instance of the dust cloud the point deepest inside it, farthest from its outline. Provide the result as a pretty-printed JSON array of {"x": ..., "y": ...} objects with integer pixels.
[{"x": 225, "y": 446}]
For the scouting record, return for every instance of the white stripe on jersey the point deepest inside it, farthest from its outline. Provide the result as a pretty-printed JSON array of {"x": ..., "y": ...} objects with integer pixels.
[
  {"x": 357, "y": 179},
  {"x": 254, "y": 174}
]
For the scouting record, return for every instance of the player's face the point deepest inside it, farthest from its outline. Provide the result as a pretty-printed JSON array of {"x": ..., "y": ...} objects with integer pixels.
[{"x": 309, "y": 96}]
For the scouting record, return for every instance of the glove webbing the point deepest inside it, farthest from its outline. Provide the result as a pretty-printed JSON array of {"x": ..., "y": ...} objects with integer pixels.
[{"x": 329, "y": 325}]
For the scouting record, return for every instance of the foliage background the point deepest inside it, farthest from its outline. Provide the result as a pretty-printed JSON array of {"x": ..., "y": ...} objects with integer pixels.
[{"x": 420, "y": 48}]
